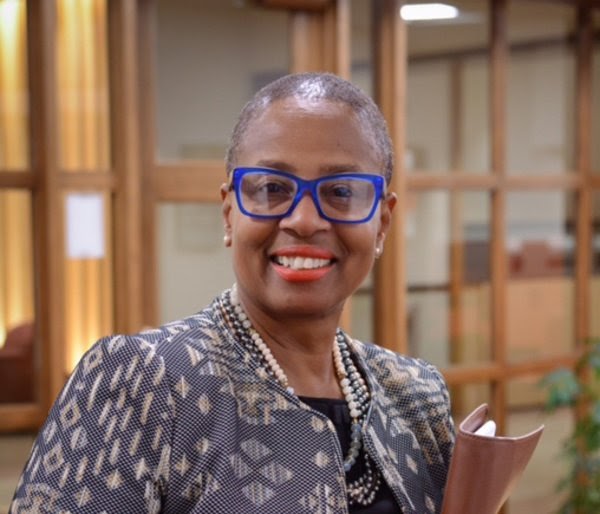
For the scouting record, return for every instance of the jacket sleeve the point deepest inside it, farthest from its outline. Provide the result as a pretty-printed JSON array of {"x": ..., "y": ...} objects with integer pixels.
[{"x": 105, "y": 445}]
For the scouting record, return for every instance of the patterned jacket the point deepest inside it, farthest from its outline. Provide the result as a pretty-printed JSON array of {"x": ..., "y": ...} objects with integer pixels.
[{"x": 181, "y": 419}]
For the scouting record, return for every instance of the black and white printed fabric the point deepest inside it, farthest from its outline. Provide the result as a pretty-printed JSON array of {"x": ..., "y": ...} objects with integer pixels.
[{"x": 181, "y": 419}]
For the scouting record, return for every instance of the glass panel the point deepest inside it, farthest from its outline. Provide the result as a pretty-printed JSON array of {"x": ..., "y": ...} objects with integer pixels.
[
  {"x": 540, "y": 293},
  {"x": 89, "y": 272},
  {"x": 14, "y": 131},
  {"x": 82, "y": 85},
  {"x": 448, "y": 83},
  {"x": 447, "y": 247},
  {"x": 361, "y": 41},
  {"x": 473, "y": 138},
  {"x": 235, "y": 49},
  {"x": 541, "y": 88},
  {"x": 595, "y": 285},
  {"x": 466, "y": 397},
  {"x": 596, "y": 96},
  {"x": 194, "y": 265},
  {"x": 536, "y": 491},
  {"x": 362, "y": 312},
  {"x": 19, "y": 366}
]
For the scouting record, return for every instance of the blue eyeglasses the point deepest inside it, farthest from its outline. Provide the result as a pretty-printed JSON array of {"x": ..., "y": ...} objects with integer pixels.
[{"x": 340, "y": 198}]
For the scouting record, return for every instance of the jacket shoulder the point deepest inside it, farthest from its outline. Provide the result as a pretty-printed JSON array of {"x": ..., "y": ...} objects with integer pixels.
[{"x": 393, "y": 368}]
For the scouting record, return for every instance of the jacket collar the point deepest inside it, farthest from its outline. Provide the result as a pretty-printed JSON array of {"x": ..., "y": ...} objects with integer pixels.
[{"x": 391, "y": 440}]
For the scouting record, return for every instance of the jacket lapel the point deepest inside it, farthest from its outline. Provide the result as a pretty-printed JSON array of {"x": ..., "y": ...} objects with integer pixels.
[{"x": 394, "y": 447}]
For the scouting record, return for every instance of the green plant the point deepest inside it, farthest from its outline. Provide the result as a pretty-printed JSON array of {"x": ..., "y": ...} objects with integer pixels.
[{"x": 579, "y": 388}]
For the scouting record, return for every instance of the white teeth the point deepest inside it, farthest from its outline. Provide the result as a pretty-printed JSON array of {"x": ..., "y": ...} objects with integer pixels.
[{"x": 299, "y": 263}]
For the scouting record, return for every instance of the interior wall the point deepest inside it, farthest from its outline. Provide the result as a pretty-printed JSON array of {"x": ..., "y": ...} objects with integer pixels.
[
  {"x": 232, "y": 51},
  {"x": 212, "y": 56},
  {"x": 540, "y": 133},
  {"x": 540, "y": 138},
  {"x": 195, "y": 265}
]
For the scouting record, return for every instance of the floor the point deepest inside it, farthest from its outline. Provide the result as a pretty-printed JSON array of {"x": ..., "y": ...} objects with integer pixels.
[
  {"x": 535, "y": 492},
  {"x": 14, "y": 450}
]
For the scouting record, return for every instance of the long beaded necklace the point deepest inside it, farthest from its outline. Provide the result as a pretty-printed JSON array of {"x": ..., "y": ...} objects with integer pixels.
[{"x": 361, "y": 491}]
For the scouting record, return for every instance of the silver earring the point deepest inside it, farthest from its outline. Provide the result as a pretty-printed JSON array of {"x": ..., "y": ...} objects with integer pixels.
[
  {"x": 227, "y": 240},
  {"x": 378, "y": 251}
]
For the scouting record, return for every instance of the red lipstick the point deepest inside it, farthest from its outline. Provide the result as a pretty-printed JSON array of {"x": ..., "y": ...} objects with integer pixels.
[{"x": 302, "y": 263}]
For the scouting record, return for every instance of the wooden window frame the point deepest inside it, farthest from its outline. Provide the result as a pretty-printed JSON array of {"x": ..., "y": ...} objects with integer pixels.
[
  {"x": 48, "y": 184},
  {"x": 319, "y": 40}
]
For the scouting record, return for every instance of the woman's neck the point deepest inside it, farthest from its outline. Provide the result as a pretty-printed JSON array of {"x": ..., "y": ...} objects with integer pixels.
[{"x": 303, "y": 348}]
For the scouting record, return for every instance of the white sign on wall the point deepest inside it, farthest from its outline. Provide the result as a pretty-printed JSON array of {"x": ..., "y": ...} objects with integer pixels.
[{"x": 85, "y": 226}]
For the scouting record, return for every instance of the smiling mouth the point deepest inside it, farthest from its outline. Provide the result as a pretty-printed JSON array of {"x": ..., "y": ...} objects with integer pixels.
[{"x": 302, "y": 263}]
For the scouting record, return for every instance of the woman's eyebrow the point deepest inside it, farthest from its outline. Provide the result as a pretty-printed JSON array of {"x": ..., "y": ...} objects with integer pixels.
[
  {"x": 276, "y": 165},
  {"x": 339, "y": 168},
  {"x": 326, "y": 169}
]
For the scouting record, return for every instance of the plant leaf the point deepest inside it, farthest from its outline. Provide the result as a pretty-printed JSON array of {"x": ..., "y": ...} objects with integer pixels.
[{"x": 563, "y": 388}]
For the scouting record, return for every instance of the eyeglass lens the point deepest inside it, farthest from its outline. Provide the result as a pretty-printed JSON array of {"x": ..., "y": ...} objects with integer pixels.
[{"x": 339, "y": 198}]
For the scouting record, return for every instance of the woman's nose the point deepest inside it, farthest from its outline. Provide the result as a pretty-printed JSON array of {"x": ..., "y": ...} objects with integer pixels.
[{"x": 305, "y": 218}]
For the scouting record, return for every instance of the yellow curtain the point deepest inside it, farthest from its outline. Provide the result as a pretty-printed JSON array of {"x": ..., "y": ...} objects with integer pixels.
[
  {"x": 83, "y": 105},
  {"x": 16, "y": 253},
  {"x": 16, "y": 260},
  {"x": 83, "y": 85},
  {"x": 14, "y": 142}
]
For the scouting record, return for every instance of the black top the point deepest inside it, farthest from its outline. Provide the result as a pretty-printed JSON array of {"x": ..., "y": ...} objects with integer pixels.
[{"x": 337, "y": 412}]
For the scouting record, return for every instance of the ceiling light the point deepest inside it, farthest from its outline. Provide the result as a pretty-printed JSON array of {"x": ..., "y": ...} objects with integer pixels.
[{"x": 423, "y": 12}]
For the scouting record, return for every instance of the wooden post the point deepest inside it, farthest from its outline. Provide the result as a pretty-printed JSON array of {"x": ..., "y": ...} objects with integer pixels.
[
  {"x": 390, "y": 90},
  {"x": 123, "y": 27}
]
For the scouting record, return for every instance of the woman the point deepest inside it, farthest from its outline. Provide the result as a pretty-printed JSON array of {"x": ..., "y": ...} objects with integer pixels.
[{"x": 260, "y": 403}]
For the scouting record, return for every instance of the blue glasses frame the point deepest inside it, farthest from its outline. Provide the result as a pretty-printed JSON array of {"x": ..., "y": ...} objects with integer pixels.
[{"x": 309, "y": 186}]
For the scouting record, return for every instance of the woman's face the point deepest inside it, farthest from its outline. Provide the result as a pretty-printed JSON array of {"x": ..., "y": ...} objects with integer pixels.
[{"x": 309, "y": 139}]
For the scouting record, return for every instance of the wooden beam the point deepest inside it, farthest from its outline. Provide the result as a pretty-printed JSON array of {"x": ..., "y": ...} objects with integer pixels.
[
  {"x": 147, "y": 72},
  {"x": 300, "y": 5},
  {"x": 565, "y": 181},
  {"x": 583, "y": 145},
  {"x": 389, "y": 56},
  {"x": 451, "y": 181},
  {"x": 320, "y": 41},
  {"x": 457, "y": 236},
  {"x": 336, "y": 38},
  {"x": 178, "y": 182},
  {"x": 87, "y": 181},
  {"x": 498, "y": 95},
  {"x": 17, "y": 179},
  {"x": 457, "y": 180},
  {"x": 484, "y": 373},
  {"x": 17, "y": 417},
  {"x": 336, "y": 59},
  {"x": 47, "y": 198},
  {"x": 306, "y": 42},
  {"x": 125, "y": 136}
]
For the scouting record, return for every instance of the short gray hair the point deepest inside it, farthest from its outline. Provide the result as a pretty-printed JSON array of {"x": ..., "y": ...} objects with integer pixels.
[{"x": 317, "y": 86}]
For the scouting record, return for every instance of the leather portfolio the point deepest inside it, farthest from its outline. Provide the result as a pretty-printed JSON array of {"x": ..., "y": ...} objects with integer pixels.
[{"x": 484, "y": 469}]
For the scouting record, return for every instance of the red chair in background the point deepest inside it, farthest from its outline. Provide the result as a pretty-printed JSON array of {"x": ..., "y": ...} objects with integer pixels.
[{"x": 17, "y": 365}]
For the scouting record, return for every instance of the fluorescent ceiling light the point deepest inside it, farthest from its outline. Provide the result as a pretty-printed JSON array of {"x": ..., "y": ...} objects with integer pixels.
[{"x": 422, "y": 12}]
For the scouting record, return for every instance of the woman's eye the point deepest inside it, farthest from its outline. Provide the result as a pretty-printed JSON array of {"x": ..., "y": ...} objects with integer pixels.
[
  {"x": 342, "y": 192},
  {"x": 338, "y": 191},
  {"x": 275, "y": 188}
]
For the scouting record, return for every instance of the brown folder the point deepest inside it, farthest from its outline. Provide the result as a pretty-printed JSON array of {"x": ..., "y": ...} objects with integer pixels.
[{"x": 484, "y": 470}]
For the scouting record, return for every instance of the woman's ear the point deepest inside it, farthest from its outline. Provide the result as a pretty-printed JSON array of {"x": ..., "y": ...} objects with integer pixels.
[
  {"x": 224, "y": 190},
  {"x": 385, "y": 217},
  {"x": 226, "y": 213}
]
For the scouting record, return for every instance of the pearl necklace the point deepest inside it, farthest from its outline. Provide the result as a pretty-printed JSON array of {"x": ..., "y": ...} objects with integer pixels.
[{"x": 363, "y": 490}]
